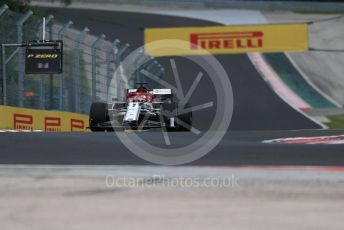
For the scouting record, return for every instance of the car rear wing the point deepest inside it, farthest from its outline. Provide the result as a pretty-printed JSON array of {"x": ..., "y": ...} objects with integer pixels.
[
  {"x": 162, "y": 94},
  {"x": 154, "y": 91},
  {"x": 161, "y": 91}
]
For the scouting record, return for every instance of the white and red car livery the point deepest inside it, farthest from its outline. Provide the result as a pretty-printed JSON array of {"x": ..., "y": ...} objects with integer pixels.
[{"x": 143, "y": 108}]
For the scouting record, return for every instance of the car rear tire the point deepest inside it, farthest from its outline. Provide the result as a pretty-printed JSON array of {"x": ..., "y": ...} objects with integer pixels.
[
  {"x": 98, "y": 115},
  {"x": 166, "y": 109},
  {"x": 172, "y": 108},
  {"x": 186, "y": 118}
]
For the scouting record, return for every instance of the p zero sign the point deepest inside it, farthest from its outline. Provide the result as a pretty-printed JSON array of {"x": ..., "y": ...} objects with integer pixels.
[
  {"x": 227, "y": 39},
  {"x": 43, "y": 61},
  {"x": 44, "y": 58}
]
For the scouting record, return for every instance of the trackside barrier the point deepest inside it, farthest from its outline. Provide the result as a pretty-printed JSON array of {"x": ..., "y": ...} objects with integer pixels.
[
  {"x": 90, "y": 64},
  {"x": 42, "y": 120}
]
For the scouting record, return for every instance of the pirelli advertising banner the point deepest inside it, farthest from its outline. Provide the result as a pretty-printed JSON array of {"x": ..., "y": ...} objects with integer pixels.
[
  {"x": 226, "y": 39},
  {"x": 41, "y": 120}
]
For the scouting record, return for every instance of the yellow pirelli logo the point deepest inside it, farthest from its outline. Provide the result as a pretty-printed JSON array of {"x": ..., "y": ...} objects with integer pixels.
[
  {"x": 227, "y": 39},
  {"x": 45, "y": 56}
]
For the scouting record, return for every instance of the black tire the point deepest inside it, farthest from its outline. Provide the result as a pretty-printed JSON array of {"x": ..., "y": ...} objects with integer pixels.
[
  {"x": 98, "y": 115},
  {"x": 186, "y": 118},
  {"x": 172, "y": 107},
  {"x": 169, "y": 107}
]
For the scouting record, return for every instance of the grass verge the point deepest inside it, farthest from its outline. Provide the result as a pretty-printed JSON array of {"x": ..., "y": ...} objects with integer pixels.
[{"x": 336, "y": 122}]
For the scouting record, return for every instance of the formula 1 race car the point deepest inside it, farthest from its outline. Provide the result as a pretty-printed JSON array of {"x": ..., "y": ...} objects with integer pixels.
[{"x": 142, "y": 109}]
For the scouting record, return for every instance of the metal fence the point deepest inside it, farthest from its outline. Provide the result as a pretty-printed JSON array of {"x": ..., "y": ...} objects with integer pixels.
[{"x": 92, "y": 69}]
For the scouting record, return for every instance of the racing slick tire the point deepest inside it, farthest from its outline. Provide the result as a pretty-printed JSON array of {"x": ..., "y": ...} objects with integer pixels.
[
  {"x": 186, "y": 118},
  {"x": 172, "y": 110},
  {"x": 98, "y": 115}
]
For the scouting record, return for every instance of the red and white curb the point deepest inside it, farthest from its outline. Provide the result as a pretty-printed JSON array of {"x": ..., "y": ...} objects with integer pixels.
[
  {"x": 332, "y": 140},
  {"x": 272, "y": 78},
  {"x": 293, "y": 168},
  {"x": 18, "y": 131}
]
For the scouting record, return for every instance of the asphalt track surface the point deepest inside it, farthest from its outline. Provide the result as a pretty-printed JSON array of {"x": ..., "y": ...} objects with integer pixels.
[
  {"x": 236, "y": 148},
  {"x": 259, "y": 114}
]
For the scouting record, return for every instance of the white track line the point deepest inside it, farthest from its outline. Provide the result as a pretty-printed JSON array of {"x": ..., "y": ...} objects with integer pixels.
[{"x": 19, "y": 131}]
